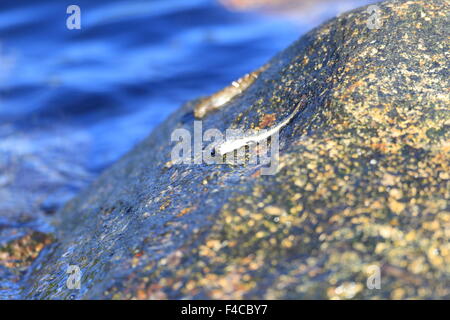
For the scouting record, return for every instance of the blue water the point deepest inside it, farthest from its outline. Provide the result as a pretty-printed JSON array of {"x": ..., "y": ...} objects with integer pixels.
[{"x": 73, "y": 101}]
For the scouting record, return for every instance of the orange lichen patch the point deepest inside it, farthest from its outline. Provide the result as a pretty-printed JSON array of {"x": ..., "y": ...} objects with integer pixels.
[
  {"x": 139, "y": 254},
  {"x": 185, "y": 211},
  {"x": 22, "y": 252},
  {"x": 267, "y": 120},
  {"x": 256, "y": 174},
  {"x": 274, "y": 211},
  {"x": 396, "y": 206}
]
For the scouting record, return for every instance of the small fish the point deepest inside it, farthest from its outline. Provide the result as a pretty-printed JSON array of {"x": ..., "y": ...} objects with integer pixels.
[
  {"x": 233, "y": 144},
  {"x": 219, "y": 99}
]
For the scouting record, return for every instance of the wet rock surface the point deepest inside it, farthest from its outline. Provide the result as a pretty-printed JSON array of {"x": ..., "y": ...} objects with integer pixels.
[
  {"x": 33, "y": 187},
  {"x": 363, "y": 181}
]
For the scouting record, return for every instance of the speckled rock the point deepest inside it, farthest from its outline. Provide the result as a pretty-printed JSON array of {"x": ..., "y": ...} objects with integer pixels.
[{"x": 362, "y": 185}]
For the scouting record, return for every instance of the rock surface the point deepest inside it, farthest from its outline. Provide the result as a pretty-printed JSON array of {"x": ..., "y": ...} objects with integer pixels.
[{"x": 363, "y": 181}]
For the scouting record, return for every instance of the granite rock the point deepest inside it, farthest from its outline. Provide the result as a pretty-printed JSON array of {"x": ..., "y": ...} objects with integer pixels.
[{"x": 362, "y": 184}]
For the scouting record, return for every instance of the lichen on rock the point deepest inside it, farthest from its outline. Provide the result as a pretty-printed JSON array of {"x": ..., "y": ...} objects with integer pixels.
[{"x": 363, "y": 181}]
